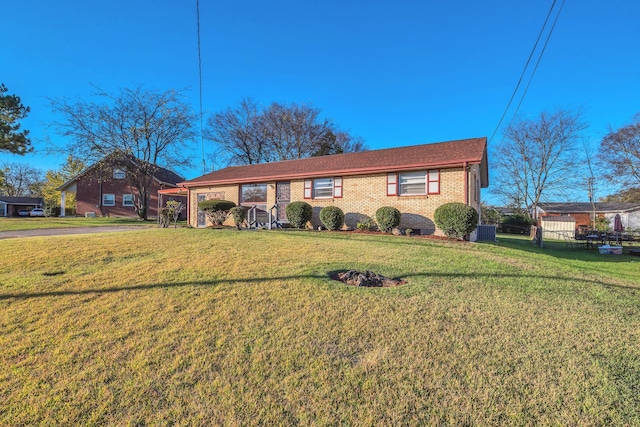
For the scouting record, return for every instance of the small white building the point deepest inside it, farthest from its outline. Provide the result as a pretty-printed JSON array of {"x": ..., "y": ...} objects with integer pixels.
[{"x": 558, "y": 227}]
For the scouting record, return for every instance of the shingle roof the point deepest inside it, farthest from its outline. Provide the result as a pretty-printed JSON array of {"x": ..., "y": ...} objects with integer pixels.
[
  {"x": 580, "y": 207},
  {"x": 162, "y": 175},
  {"x": 443, "y": 154},
  {"x": 21, "y": 200},
  {"x": 563, "y": 218},
  {"x": 167, "y": 176}
]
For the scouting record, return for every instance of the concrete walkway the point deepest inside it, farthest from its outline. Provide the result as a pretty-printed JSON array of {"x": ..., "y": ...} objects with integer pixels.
[{"x": 67, "y": 231}]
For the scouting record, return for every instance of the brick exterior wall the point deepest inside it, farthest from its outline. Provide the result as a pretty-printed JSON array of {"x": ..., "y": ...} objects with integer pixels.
[
  {"x": 89, "y": 191},
  {"x": 227, "y": 192},
  {"x": 364, "y": 194}
]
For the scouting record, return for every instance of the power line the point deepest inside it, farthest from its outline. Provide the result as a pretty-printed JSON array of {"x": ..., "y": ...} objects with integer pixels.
[
  {"x": 525, "y": 69},
  {"x": 204, "y": 168},
  {"x": 538, "y": 62}
]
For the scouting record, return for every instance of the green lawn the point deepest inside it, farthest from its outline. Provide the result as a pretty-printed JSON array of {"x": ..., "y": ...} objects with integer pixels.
[
  {"x": 28, "y": 223},
  {"x": 219, "y": 327}
]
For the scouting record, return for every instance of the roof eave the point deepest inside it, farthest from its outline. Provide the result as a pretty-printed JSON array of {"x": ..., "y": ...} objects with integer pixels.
[{"x": 335, "y": 172}]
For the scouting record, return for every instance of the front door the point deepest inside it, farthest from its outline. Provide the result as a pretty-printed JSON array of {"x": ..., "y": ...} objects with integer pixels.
[
  {"x": 202, "y": 217},
  {"x": 283, "y": 197}
]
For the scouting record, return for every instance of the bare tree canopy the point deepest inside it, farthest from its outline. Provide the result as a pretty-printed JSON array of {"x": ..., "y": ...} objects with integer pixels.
[
  {"x": 247, "y": 134},
  {"x": 135, "y": 130},
  {"x": 538, "y": 159},
  {"x": 11, "y": 111},
  {"x": 620, "y": 154},
  {"x": 20, "y": 180}
]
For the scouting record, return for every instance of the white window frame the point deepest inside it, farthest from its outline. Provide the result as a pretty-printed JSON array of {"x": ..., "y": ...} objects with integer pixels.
[
  {"x": 412, "y": 180},
  {"x": 126, "y": 197},
  {"x": 108, "y": 199},
  {"x": 119, "y": 173},
  {"x": 323, "y": 188}
]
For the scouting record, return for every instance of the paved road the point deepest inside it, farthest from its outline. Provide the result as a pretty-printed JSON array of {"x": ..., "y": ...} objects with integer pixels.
[{"x": 66, "y": 231}]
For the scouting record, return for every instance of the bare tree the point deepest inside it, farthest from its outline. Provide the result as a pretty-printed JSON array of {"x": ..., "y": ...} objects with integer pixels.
[
  {"x": 539, "y": 158},
  {"x": 620, "y": 153},
  {"x": 237, "y": 132},
  {"x": 279, "y": 132},
  {"x": 21, "y": 180},
  {"x": 135, "y": 130}
]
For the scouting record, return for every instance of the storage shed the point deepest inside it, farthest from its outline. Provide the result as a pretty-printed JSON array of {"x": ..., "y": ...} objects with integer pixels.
[{"x": 558, "y": 227}]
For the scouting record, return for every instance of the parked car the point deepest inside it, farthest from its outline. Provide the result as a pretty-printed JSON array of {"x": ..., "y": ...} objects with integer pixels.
[
  {"x": 36, "y": 212},
  {"x": 24, "y": 212}
]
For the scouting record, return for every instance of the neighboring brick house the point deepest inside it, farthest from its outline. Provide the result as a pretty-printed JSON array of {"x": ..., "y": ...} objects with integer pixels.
[
  {"x": 583, "y": 212},
  {"x": 415, "y": 180},
  {"x": 104, "y": 191}
]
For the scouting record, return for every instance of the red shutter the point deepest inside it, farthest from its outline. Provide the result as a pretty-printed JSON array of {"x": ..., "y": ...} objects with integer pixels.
[
  {"x": 392, "y": 184},
  {"x": 307, "y": 188},
  {"x": 337, "y": 187},
  {"x": 433, "y": 181}
]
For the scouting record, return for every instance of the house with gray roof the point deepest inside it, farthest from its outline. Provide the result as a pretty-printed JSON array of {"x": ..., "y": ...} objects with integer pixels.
[
  {"x": 585, "y": 212},
  {"x": 12, "y": 206}
]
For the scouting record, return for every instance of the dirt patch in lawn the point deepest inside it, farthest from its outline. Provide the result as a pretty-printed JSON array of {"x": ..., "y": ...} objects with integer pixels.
[{"x": 367, "y": 279}]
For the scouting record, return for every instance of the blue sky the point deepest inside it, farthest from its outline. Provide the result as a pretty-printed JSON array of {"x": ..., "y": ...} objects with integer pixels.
[{"x": 393, "y": 72}]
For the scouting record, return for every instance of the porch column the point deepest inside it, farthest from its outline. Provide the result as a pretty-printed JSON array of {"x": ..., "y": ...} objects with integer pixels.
[{"x": 63, "y": 200}]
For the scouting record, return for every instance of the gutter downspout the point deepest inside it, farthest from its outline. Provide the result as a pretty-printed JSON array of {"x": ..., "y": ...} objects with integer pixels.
[
  {"x": 188, "y": 206},
  {"x": 466, "y": 183},
  {"x": 100, "y": 199}
]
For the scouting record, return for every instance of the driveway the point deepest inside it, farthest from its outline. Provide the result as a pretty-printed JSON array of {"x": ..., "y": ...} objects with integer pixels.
[{"x": 67, "y": 231}]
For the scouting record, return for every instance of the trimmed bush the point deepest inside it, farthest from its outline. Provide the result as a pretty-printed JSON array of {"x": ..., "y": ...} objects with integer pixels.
[
  {"x": 367, "y": 224},
  {"x": 456, "y": 220},
  {"x": 387, "y": 218},
  {"x": 299, "y": 213},
  {"x": 217, "y": 210},
  {"x": 215, "y": 205},
  {"x": 332, "y": 217},
  {"x": 517, "y": 223},
  {"x": 239, "y": 214}
]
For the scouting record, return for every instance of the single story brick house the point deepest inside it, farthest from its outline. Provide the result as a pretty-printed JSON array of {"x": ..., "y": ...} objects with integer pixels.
[
  {"x": 583, "y": 212},
  {"x": 105, "y": 191},
  {"x": 11, "y": 206},
  {"x": 415, "y": 179}
]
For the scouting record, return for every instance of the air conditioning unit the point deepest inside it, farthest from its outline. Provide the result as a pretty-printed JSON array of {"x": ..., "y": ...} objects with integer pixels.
[{"x": 89, "y": 214}]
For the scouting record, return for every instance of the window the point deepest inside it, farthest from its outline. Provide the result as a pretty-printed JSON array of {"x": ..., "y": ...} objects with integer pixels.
[
  {"x": 413, "y": 183},
  {"x": 118, "y": 173},
  {"x": 127, "y": 200},
  {"x": 323, "y": 188},
  {"x": 108, "y": 200},
  {"x": 254, "y": 193}
]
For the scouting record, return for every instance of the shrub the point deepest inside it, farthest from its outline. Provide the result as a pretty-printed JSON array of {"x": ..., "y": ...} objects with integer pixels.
[
  {"x": 456, "y": 220},
  {"x": 332, "y": 217},
  {"x": 215, "y": 205},
  {"x": 516, "y": 224},
  {"x": 367, "y": 224},
  {"x": 299, "y": 213},
  {"x": 217, "y": 210},
  {"x": 387, "y": 218},
  {"x": 239, "y": 214}
]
